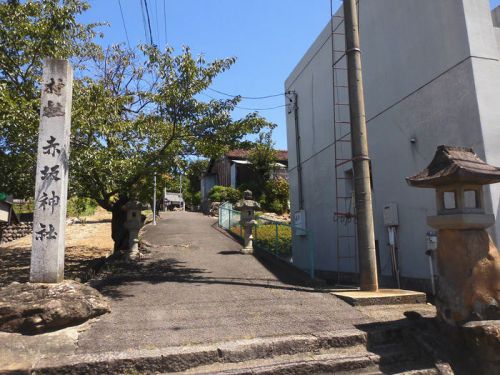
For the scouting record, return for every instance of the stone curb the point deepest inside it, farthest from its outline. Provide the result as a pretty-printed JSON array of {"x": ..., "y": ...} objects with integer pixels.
[{"x": 176, "y": 359}]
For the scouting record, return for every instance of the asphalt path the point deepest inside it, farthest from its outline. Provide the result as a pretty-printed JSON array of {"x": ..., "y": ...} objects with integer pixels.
[{"x": 193, "y": 286}]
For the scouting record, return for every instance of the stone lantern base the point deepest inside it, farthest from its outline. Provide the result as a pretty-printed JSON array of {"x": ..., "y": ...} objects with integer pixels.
[
  {"x": 248, "y": 237},
  {"x": 469, "y": 276}
]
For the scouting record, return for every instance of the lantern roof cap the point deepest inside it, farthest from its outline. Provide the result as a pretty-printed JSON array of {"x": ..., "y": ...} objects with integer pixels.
[{"x": 453, "y": 165}]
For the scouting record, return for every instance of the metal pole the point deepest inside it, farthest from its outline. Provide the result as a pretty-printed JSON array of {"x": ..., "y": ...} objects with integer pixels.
[
  {"x": 164, "y": 199},
  {"x": 361, "y": 161},
  {"x": 154, "y": 199}
]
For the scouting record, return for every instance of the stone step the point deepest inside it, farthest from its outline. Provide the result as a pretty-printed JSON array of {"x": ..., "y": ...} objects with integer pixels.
[
  {"x": 393, "y": 359},
  {"x": 320, "y": 353},
  {"x": 175, "y": 359}
]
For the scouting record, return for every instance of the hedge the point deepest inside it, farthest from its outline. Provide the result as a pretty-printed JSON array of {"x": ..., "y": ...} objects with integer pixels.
[{"x": 265, "y": 238}]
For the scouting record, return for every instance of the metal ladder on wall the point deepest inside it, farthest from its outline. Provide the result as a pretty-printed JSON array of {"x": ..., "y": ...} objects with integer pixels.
[{"x": 344, "y": 216}]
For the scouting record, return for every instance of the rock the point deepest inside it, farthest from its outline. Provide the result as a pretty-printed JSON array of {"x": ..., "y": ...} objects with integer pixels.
[
  {"x": 285, "y": 218},
  {"x": 214, "y": 208},
  {"x": 36, "y": 308},
  {"x": 482, "y": 338}
]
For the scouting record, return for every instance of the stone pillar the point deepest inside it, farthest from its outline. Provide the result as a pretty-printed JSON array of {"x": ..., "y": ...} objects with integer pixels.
[{"x": 49, "y": 224}]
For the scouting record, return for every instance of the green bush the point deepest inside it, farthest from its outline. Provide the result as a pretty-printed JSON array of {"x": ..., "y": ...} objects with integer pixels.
[
  {"x": 192, "y": 198},
  {"x": 81, "y": 207},
  {"x": 224, "y": 194},
  {"x": 196, "y": 199},
  {"x": 215, "y": 194},
  {"x": 277, "y": 207},
  {"x": 276, "y": 196},
  {"x": 262, "y": 200}
]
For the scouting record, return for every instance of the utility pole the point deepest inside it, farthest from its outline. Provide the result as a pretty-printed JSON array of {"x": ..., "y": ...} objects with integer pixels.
[
  {"x": 154, "y": 199},
  {"x": 361, "y": 160},
  {"x": 180, "y": 190},
  {"x": 297, "y": 149}
]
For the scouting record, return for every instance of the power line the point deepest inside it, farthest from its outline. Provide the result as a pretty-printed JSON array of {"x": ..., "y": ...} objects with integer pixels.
[
  {"x": 247, "y": 97},
  {"x": 262, "y": 109},
  {"x": 144, "y": 21},
  {"x": 165, "y": 21},
  {"x": 157, "y": 23},
  {"x": 124, "y": 24},
  {"x": 149, "y": 22},
  {"x": 249, "y": 109}
]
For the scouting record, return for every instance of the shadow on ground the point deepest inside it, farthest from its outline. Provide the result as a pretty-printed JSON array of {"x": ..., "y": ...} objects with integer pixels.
[
  {"x": 15, "y": 264},
  {"x": 230, "y": 252},
  {"x": 421, "y": 343},
  {"x": 280, "y": 268},
  {"x": 120, "y": 273}
]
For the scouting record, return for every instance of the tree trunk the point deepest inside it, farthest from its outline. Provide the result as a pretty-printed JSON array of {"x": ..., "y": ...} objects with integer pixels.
[{"x": 119, "y": 233}]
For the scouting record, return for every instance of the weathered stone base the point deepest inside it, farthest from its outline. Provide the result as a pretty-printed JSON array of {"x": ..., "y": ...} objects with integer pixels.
[
  {"x": 469, "y": 276},
  {"x": 247, "y": 250},
  {"x": 36, "y": 308}
]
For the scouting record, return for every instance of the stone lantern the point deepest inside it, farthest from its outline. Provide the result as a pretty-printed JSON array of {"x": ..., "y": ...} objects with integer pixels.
[
  {"x": 468, "y": 261},
  {"x": 247, "y": 207},
  {"x": 133, "y": 224}
]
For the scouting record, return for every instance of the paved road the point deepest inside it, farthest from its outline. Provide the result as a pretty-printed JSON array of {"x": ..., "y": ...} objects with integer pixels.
[{"x": 195, "y": 287}]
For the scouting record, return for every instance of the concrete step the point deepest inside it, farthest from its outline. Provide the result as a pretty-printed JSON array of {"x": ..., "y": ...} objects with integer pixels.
[
  {"x": 321, "y": 353},
  {"x": 390, "y": 359},
  {"x": 176, "y": 359}
]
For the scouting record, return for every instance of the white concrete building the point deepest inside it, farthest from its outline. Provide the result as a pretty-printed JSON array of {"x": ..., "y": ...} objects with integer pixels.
[{"x": 432, "y": 76}]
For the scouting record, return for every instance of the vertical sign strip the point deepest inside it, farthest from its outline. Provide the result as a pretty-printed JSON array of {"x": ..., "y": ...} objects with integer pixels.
[{"x": 51, "y": 187}]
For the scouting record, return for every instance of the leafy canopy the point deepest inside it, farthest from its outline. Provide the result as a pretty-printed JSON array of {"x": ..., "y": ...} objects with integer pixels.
[
  {"x": 134, "y": 112},
  {"x": 30, "y": 32},
  {"x": 139, "y": 117}
]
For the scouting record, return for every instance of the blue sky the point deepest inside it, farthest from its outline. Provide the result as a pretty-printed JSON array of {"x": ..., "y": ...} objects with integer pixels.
[{"x": 267, "y": 36}]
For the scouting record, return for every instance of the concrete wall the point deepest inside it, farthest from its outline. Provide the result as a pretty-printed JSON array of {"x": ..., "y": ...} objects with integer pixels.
[
  {"x": 207, "y": 183},
  {"x": 432, "y": 76},
  {"x": 312, "y": 80},
  {"x": 495, "y": 15}
]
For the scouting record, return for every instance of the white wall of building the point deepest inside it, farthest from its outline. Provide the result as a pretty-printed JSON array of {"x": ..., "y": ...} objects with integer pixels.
[{"x": 431, "y": 74}]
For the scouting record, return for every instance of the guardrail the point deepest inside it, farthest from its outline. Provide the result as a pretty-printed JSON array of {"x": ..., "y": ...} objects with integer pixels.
[{"x": 273, "y": 237}]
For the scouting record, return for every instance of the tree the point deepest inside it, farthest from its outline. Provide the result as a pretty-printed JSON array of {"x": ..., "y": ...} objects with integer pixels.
[
  {"x": 263, "y": 158},
  {"x": 194, "y": 173},
  {"x": 133, "y": 112},
  {"x": 128, "y": 128},
  {"x": 31, "y": 31}
]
